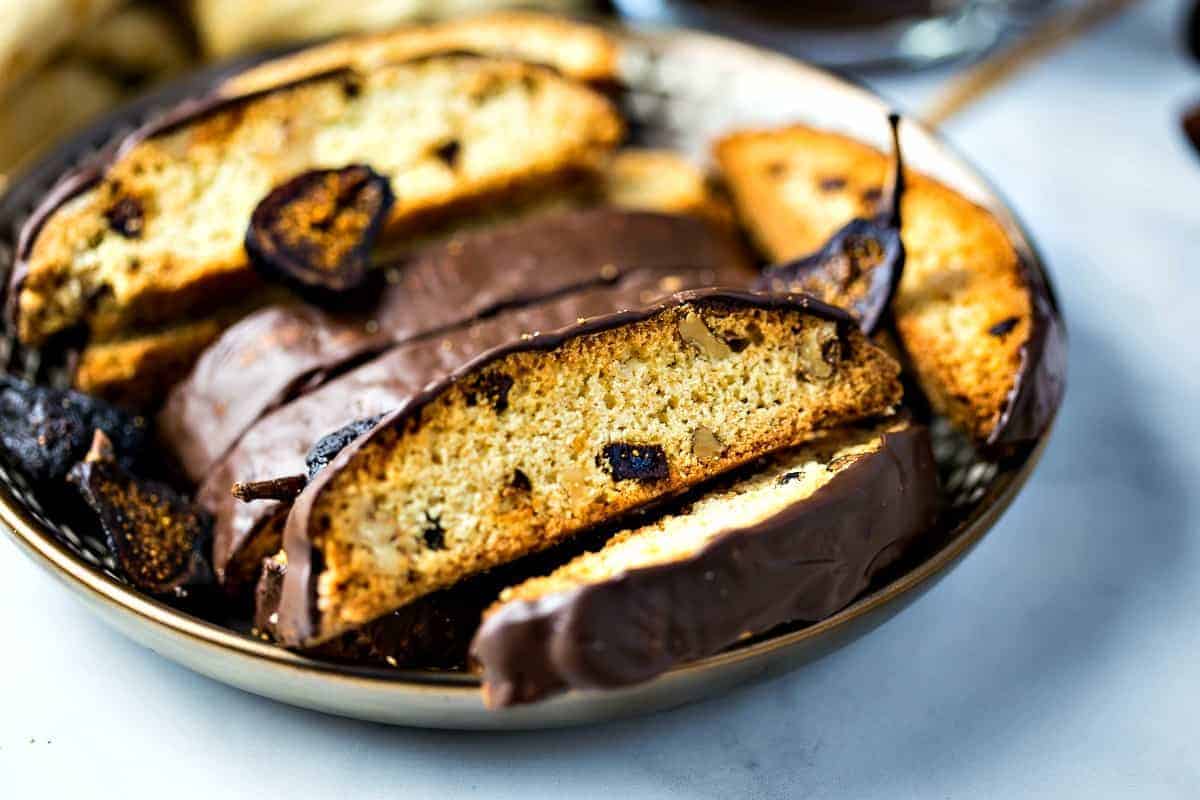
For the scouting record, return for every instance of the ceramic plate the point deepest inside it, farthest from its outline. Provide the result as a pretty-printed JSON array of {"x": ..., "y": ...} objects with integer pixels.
[{"x": 684, "y": 89}]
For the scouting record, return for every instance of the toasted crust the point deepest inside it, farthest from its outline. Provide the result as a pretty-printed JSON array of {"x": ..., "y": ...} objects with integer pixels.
[
  {"x": 579, "y": 51},
  {"x": 191, "y": 190},
  {"x": 964, "y": 309},
  {"x": 539, "y": 440}
]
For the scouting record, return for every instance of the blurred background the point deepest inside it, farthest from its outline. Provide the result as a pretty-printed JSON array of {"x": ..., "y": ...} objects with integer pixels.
[{"x": 64, "y": 61}]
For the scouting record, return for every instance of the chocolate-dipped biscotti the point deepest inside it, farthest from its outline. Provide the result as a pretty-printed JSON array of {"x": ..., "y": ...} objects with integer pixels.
[
  {"x": 545, "y": 437},
  {"x": 278, "y": 444},
  {"x": 796, "y": 540},
  {"x": 157, "y": 231},
  {"x": 980, "y": 330},
  {"x": 281, "y": 352}
]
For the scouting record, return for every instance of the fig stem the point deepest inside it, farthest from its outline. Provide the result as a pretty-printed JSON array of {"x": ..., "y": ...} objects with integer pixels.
[
  {"x": 897, "y": 188},
  {"x": 284, "y": 489}
]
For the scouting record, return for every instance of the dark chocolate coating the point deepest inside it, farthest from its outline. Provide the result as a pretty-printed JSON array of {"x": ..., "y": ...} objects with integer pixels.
[
  {"x": 282, "y": 352},
  {"x": 297, "y": 627},
  {"x": 431, "y": 633},
  {"x": 1191, "y": 122},
  {"x": 278, "y": 443},
  {"x": 803, "y": 564}
]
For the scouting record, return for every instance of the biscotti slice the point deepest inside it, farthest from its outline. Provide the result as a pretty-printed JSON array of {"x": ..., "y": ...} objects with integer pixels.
[
  {"x": 547, "y": 436},
  {"x": 282, "y": 352},
  {"x": 137, "y": 369},
  {"x": 661, "y": 180},
  {"x": 579, "y": 51},
  {"x": 277, "y": 445},
  {"x": 161, "y": 233},
  {"x": 981, "y": 330},
  {"x": 796, "y": 540}
]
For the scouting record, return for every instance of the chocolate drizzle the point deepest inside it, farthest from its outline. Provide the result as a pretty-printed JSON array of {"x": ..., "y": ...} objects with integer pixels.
[
  {"x": 297, "y": 626},
  {"x": 803, "y": 564}
]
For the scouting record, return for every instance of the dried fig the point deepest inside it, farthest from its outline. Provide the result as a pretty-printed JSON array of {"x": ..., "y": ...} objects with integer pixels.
[
  {"x": 859, "y": 268},
  {"x": 158, "y": 538},
  {"x": 315, "y": 232}
]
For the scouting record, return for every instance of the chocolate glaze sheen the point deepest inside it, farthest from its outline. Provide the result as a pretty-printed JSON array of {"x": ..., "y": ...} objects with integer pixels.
[
  {"x": 282, "y": 352},
  {"x": 278, "y": 443},
  {"x": 297, "y": 612},
  {"x": 802, "y": 564}
]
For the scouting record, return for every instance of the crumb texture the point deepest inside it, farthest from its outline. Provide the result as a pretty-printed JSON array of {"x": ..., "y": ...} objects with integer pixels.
[
  {"x": 526, "y": 450},
  {"x": 162, "y": 234},
  {"x": 788, "y": 478},
  {"x": 796, "y": 537}
]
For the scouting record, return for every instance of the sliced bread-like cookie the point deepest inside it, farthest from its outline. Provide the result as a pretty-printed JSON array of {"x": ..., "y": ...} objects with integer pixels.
[
  {"x": 981, "y": 330},
  {"x": 160, "y": 231},
  {"x": 540, "y": 439},
  {"x": 796, "y": 540},
  {"x": 136, "y": 369},
  {"x": 277, "y": 444},
  {"x": 579, "y": 51},
  {"x": 280, "y": 352}
]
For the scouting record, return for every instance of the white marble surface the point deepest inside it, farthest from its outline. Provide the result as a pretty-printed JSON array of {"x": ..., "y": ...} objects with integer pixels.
[{"x": 1059, "y": 661}]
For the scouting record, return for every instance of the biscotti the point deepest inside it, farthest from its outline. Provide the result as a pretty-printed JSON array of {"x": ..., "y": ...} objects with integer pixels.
[
  {"x": 281, "y": 352},
  {"x": 796, "y": 540},
  {"x": 160, "y": 232},
  {"x": 981, "y": 331},
  {"x": 278, "y": 443},
  {"x": 579, "y": 51},
  {"x": 135, "y": 370},
  {"x": 543, "y": 438}
]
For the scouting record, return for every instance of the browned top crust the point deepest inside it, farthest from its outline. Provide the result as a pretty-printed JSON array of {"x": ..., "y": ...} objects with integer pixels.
[{"x": 579, "y": 51}]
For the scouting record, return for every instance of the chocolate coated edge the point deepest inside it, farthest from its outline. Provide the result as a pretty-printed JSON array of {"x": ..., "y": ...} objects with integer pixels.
[
  {"x": 802, "y": 564},
  {"x": 1040, "y": 381},
  {"x": 298, "y": 608}
]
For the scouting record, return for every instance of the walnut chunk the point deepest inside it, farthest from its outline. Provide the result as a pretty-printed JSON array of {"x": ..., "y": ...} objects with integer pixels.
[
  {"x": 705, "y": 444},
  {"x": 695, "y": 332},
  {"x": 821, "y": 351}
]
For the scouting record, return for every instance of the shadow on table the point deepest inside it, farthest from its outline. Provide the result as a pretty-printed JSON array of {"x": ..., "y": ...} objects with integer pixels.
[{"x": 1097, "y": 536}]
